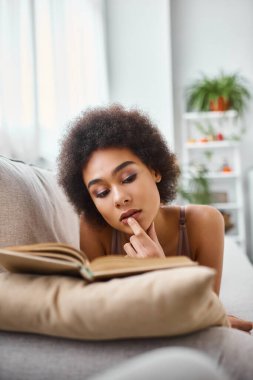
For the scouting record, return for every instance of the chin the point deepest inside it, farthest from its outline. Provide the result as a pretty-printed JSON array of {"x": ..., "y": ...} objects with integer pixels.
[
  {"x": 127, "y": 230},
  {"x": 144, "y": 226}
]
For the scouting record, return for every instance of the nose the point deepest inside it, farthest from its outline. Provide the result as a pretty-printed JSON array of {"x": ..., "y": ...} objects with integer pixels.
[{"x": 121, "y": 198}]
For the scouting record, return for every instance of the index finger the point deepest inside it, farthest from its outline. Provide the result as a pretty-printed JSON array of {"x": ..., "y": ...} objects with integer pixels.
[{"x": 134, "y": 225}]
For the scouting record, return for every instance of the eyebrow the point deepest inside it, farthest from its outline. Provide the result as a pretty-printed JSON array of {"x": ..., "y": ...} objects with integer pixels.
[{"x": 115, "y": 171}]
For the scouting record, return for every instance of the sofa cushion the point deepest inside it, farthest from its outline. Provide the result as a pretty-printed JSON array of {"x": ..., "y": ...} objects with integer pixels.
[
  {"x": 161, "y": 303},
  {"x": 237, "y": 281},
  {"x": 33, "y": 208},
  {"x": 37, "y": 357}
]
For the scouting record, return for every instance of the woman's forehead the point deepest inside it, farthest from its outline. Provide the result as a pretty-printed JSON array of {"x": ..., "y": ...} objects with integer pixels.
[
  {"x": 105, "y": 161},
  {"x": 112, "y": 156}
]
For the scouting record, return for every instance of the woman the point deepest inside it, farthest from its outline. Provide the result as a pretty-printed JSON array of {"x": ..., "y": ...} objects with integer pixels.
[{"x": 120, "y": 175}]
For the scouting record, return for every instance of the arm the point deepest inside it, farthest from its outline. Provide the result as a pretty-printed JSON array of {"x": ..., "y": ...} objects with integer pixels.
[{"x": 205, "y": 227}]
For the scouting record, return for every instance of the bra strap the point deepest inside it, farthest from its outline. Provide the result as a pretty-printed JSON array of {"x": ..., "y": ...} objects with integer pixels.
[{"x": 183, "y": 244}]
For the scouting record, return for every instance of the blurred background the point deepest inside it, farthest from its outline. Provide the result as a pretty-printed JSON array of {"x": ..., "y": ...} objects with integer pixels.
[{"x": 60, "y": 57}]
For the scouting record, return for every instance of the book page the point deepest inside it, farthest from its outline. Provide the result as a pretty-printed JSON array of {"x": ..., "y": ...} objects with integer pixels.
[
  {"x": 25, "y": 263},
  {"x": 52, "y": 250},
  {"x": 120, "y": 264}
]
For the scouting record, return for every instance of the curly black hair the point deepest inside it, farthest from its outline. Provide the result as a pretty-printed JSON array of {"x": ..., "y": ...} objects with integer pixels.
[{"x": 116, "y": 127}]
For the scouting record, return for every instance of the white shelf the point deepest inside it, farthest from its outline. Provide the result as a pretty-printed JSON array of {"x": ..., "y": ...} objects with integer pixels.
[
  {"x": 217, "y": 175},
  {"x": 209, "y": 115},
  {"x": 232, "y": 175},
  {"x": 212, "y": 145},
  {"x": 227, "y": 206},
  {"x": 221, "y": 152}
]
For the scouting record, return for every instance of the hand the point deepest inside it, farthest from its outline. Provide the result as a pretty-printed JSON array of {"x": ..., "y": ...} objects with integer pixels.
[
  {"x": 143, "y": 244},
  {"x": 240, "y": 324}
]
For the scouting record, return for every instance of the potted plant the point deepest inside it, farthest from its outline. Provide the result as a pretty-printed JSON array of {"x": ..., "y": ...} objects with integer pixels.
[
  {"x": 197, "y": 190},
  {"x": 219, "y": 93}
]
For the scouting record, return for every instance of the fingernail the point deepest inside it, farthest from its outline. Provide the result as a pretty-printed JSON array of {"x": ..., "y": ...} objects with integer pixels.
[{"x": 130, "y": 220}]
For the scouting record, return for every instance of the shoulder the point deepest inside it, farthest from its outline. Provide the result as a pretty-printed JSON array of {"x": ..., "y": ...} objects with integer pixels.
[
  {"x": 205, "y": 226},
  {"x": 206, "y": 234},
  {"x": 93, "y": 240},
  {"x": 195, "y": 214},
  {"x": 202, "y": 215}
]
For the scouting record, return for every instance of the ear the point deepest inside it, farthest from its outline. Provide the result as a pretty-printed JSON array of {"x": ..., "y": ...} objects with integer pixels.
[{"x": 157, "y": 176}]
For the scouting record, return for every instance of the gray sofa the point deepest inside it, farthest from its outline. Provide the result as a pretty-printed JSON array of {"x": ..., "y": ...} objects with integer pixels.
[{"x": 33, "y": 209}]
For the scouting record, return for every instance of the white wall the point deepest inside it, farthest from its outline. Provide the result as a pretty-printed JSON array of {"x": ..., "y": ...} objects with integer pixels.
[
  {"x": 208, "y": 36},
  {"x": 138, "y": 38}
]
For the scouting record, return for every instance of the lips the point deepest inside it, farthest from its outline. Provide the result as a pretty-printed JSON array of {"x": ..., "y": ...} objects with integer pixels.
[{"x": 128, "y": 214}]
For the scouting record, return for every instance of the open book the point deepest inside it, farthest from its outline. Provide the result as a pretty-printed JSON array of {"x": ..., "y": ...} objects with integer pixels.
[{"x": 57, "y": 258}]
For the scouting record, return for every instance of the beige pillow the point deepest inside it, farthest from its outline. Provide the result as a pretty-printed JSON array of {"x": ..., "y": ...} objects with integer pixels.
[
  {"x": 161, "y": 303},
  {"x": 33, "y": 208}
]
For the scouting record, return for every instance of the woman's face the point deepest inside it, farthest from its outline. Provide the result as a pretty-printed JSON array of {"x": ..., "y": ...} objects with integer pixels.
[{"x": 121, "y": 186}]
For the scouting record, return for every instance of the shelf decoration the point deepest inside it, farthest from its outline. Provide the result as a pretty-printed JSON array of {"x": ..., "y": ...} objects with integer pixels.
[
  {"x": 228, "y": 223},
  {"x": 226, "y": 168},
  {"x": 219, "y": 197}
]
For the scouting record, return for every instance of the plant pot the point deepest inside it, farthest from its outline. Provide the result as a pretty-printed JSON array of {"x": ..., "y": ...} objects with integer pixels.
[{"x": 219, "y": 104}]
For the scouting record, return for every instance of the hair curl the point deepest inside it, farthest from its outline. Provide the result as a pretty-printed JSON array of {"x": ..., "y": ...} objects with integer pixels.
[{"x": 109, "y": 127}]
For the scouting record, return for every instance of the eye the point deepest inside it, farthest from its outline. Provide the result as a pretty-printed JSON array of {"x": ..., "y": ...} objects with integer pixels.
[
  {"x": 102, "y": 194},
  {"x": 130, "y": 178}
]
